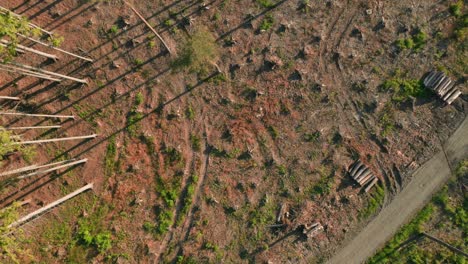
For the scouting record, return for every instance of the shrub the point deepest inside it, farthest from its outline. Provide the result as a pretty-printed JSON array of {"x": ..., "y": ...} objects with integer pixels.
[
  {"x": 456, "y": 9},
  {"x": 403, "y": 89},
  {"x": 196, "y": 145},
  {"x": 200, "y": 51},
  {"x": 265, "y": 3},
  {"x": 267, "y": 23}
]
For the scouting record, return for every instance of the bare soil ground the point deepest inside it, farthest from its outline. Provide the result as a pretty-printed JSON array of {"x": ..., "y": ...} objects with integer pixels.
[{"x": 294, "y": 106}]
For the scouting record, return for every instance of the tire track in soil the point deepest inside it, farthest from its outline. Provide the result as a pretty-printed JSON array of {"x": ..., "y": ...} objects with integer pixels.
[
  {"x": 180, "y": 233},
  {"x": 187, "y": 169},
  {"x": 342, "y": 26}
]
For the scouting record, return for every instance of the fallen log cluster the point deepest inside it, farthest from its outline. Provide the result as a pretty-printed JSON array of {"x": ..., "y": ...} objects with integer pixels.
[
  {"x": 362, "y": 175},
  {"x": 442, "y": 85}
]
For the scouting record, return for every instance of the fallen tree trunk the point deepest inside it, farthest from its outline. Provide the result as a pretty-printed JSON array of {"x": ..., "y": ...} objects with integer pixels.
[
  {"x": 33, "y": 167},
  {"x": 22, "y": 48},
  {"x": 53, "y": 169},
  {"x": 10, "y": 98},
  {"x": 149, "y": 26},
  {"x": 37, "y": 115},
  {"x": 52, "y": 140},
  {"x": 50, "y": 206},
  {"x": 9, "y": 68},
  {"x": 50, "y": 73},
  {"x": 56, "y": 48},
  {"x": 34, "y": 127}
]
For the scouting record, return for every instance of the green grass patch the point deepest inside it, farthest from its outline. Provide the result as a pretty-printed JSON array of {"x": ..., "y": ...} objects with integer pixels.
[
  {"x": 187, "y": 198},
  {"x": 375, "y": 202},
  {"x": 416, "y": 42},
  {"x": 111, "y": 152}
]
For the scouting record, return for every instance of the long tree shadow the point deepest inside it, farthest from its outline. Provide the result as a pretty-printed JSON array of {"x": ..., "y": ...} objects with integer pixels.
[
  {"x": 139, "y": 119},
  {"x": 250, "y": 19},
  {"x": 23, "y": 191},
  {"x": 68, "y": 19}
]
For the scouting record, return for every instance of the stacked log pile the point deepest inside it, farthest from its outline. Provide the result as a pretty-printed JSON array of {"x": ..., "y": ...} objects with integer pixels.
[
  {"x": 442, "y": 85},
  {"x": 362, "y": 175}
]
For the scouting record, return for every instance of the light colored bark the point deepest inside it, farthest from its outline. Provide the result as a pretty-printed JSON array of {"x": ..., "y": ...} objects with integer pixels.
[
  {"x": 53, "y": 140},
  {"x": 34, "y": 167},
  {"x": 9, "y": 68},
  {"x": 50, "y": 206},
  {"x": 34, "y": 127},
  {"x": 10, "y": 98},
  {"x": 53, "y": 169},
  {"x": 50, "y": 73},
  {"x": 37, "y": 115},
  {"x": 149, "y": 26},
  {"x": 22, "y": 48},
  {"x": 58, "y": 49}
]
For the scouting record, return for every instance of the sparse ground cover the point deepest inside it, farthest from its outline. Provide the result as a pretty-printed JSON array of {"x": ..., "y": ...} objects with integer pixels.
[{"x": 264, "y": 105}]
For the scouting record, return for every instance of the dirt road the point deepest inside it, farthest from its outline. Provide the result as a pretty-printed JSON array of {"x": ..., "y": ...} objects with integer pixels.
[{"x": 426, "y": 181}]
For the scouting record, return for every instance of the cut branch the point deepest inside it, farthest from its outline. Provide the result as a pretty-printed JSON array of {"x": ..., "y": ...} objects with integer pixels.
[
  {"x": 52, "y": 140},
  {"x": 50, "y": 206},
  {"x": 37, "y": 115},
  {"x": 149, "y": 26}
]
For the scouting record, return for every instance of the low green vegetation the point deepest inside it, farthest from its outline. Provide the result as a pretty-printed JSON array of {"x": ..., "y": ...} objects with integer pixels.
[
  {"x": 134, "y": 116},
  {"x": 11, "y": 27},
  {"x": 9, "y": 245},
  {"x": 375, "y": 201},
  {"x": 402, "y": 89},
  {"x": 267, "y": 22},
  {"x": 416, "y": 42},
  {"x": 325, "y": 184},
  {"x": 196, "y": 142},
  {"x": 445, "y": 214},
  {"x": 111, "y": 152},
  {"x": 456, "y": 9},
  {"x": 312, "y": 137},
  {"x": 187, "y": 198},
  {"x": 7, "y": 146},
  {"x": 197, "y": 53},
  {"x": 387, "y": 120},
  {"x": 265, "y": 3},
  {"x": 273, "y": 132}
]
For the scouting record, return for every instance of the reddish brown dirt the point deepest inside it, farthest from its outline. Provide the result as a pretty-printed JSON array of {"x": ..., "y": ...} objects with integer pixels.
[{"x": 319, "y": 44}]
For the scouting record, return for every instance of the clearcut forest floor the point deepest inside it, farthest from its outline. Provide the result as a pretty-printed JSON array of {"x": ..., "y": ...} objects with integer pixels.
[{"x": 204, "y": 171}]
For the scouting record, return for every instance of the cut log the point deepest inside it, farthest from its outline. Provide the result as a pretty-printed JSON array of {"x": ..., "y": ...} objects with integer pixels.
[
  {"x": 10, "y": 98},
  {"x": 28, "y": 73},
  {"x": 34, "y": 127},
  {"x": 149, "y": 26},
  {"x": 52, "y": 140},
  {"x": 53, "y": 169},
  {"x": 37, "y": 115},
  {"x": 5, "y": 43},
  {"x": 57, "y": 49},
  {"x": 50, "y": 73},
  {"x": 373, "y": 182},
  {"x": 50, "y": 206},
  {"x": 34, "y": 167}
]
